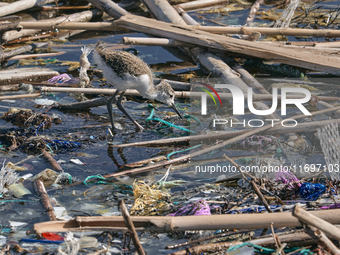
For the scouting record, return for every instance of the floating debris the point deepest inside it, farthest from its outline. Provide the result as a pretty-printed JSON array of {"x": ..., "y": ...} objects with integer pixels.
[
  {"x": 8, "y": 176},
  {"x": 149, "y": 200},
  {"x": 27, "y": 118}
]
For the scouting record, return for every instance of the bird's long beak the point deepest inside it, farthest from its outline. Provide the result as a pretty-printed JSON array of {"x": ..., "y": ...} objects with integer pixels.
[{"x": 176, "y": 110}]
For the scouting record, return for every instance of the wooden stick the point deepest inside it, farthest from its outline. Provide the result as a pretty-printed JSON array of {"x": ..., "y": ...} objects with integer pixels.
[
  {"x": 162, "y": 10},
  {"x": 247, "y": 77},
  {"x": 200, "y": 4},
  {"x": 291, "y": 56},
  {"x": 40, "y": 55},
  {"x": 52, "y": 161},
  {"x": 22, "y": 49},
  {"x": 178, "y": 94},
  {"x": 48, "y": 8},
  {"x": 21, "y": 5},
  {"x": 241, "y": 134},
  {"x": 261, "y": 197},
  {"x": 13, "y": 87},
  {"x": 294, "y": 57},
  {"x": 218, "y": 66},
  {"x": 323, "y": 105},
  {"x": 184, "y": 223},
  {"x": 316, "y": 222},
  {"x": 155, "y": 42},
  {"x": 131, "y": 228},
  {"x": 144, "y": 161},
  {"x": 252, "y": 183},
  {"x": 39, "y": 25},
  {"x": 252, "y": 12},
  {"x": 82, "y": 105},
  {"x": 111, "y": 8},
  {"x": 306, "y": 127},
  {"x": 109, "y": 26},
  {"x": 322, "y": 239},
  {"x": 271, "y": 31},
  {"x": 185, "y": 158},
  {"x": 40, "y": 189},
  {"x": 20, "y": 96},
  {"x": 327, "y": 44},
  {"x": 18, "y": 75}
]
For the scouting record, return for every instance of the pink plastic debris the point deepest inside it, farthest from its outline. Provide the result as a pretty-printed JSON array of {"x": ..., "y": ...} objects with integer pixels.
[
  {"x": 331, "y": 207},
  {"x": 286, "y": 177},
  {"x": 200, "y": 207},
  {"x": 60, "y": 78}
]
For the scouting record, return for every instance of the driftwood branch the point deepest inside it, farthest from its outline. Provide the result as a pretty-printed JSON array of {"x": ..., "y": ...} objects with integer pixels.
[
  {"x": 19, "y": 75},
  {"x": 316, "y": 222},
  {"x": 178, "y": 94},
  {"x": 40, "y": 189},
  {"x": 29, "y": 47},
  {"x": 200, "y": 4},
  {"x": 52, "y": 161},
  {"x": 21, "y": 5},
  {"x": 131, "y": 228},
  {"x": 20, "y": 96},
  {"x": 322, "y": 239},
  {"x": 52, "y": 23}
]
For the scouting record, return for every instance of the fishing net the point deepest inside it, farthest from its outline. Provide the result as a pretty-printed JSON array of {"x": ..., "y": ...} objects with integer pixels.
[
  {"x": 294, "y": 158},
  {"x": 287, "y": 15},
  {"x": 330, "y": 144}
]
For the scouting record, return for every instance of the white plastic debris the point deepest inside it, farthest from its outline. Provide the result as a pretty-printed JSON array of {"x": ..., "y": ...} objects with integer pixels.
[
  {"x": 77, "y": 161},
  {"x": 72, "y": 245},
  {"x": 18, "y": 189},
  {"x": 8, "y": 176},
  {"x": 44, "y": 101},
  {"x": 61, "y": 213},
  {"x": 17, "y": 224}
]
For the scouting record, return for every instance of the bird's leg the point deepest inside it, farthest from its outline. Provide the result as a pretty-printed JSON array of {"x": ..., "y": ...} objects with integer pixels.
[
  {"x": 121, "y": 107},
  {"x": 109, "y": 107}
]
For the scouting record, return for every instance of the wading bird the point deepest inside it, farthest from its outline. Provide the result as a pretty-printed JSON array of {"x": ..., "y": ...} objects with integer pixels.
[{"x": 125, "y": 71}]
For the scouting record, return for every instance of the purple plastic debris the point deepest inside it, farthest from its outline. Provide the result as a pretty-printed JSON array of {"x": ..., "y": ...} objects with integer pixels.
[
  {"x": 200, "y": 207},
  {"x": 286, "y": 177},
  {"x": 60, "y": 78},
  {"x": 331, "y": 206}
]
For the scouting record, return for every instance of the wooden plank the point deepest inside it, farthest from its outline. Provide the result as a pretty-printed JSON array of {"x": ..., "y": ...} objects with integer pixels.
[
  {"x": 296, "y": 57},
  {"x": 26, "y": 74}
]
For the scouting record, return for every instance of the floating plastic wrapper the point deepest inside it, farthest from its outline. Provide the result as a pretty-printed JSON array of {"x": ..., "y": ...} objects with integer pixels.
[{"x": 200, "y": 207}]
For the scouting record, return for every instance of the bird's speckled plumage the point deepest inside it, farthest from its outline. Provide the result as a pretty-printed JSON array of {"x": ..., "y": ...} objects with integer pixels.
[{"x": 123, "y": 62}]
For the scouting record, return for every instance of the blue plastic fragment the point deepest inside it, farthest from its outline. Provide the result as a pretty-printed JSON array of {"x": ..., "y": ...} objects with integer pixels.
[
  {"x": 28, "y": 240},
  {"x": 62, "y": 144},
  {"x": 312, "y": 191}
]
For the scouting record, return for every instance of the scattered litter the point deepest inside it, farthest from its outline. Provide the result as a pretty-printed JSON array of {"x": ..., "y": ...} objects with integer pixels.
[
  {"x": 149, "y": 200},
  {"x": 200, "y": 207},
  {"x": 77, "y": 161},
  {"x": 18, "y": 190},
  {"x": 44, "y": 101},
  {"x": 27, "y": 118},
  {"x": 8, "y": 177},
  {"x": 17, "y": 224},
  {"x": 72, "y": 245},
  {"x": 60, "y": 78}
]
